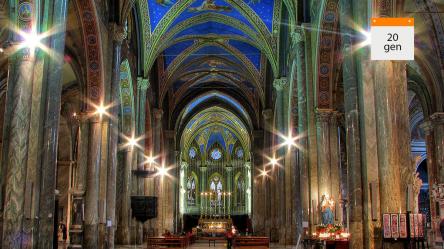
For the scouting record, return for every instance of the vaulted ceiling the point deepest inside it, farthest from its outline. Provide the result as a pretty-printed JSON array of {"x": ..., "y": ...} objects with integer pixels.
[{"x": 226, "y": 45}]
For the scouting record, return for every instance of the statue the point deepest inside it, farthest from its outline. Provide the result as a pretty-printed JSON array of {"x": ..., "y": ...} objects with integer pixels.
[{"x": 327, "y": 208}]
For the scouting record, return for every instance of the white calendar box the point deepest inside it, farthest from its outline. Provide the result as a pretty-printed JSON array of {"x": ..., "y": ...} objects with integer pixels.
[{"x": 392, "y": 39}]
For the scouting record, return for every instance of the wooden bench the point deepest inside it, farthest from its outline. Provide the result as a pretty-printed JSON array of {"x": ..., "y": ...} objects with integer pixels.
[
  {"x": 246, "y": 242},
  {"x": 177, "y": 242}
]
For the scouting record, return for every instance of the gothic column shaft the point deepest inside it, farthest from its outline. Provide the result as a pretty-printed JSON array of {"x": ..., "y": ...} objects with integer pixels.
[
  {"x": 158, "y": 185},
  {"x": 280, "y": 85},
  {"x": 20, "y": 98},
  {"x": 438, "y": 133},
  {"x": 51, "y": 125},
  {"x": 427, "y": 126},
  {"x": 393, "y": 133},
  {"x": 118, "y": 36},
  {"x": 268, "y": 196},
  {"x": 303, "y": 214},
  {"x": 229, "y": 170},
  {"x": 125, "y": 238},
  {"x": 92, "y": 184},
  {"x": 203, "y": 188},
  {"x": 352, "y": 129},
  {"x": 21, "y": 82},
  {"x": 334, "y": 162},
  {"x": 323, "y": 141}
]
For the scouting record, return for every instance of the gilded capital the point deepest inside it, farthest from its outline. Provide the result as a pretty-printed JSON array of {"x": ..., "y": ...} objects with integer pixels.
[
  {"x": 437, "y": 118},
  {"x": 280, "y": 84},
  {"x": 267, "y": 113},
  {"x": 119, "y": 33},
  {"x": 324, "y": 115},
  {"x": 297, "y": 36},
  {"x": 158, "y": 113},
  {"x": 427, "y": 127},
  {"x": 142, "y": 83}
]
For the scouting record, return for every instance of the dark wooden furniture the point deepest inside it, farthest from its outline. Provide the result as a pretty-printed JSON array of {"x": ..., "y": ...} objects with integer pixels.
[
  {"x": 177, "y": 242},
  {"x": 246, "y": 242}
]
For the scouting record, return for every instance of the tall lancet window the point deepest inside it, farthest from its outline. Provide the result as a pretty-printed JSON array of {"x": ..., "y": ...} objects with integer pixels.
[
  {"x": 191, "y": 191},
  {"x": 240, "y": 191},
  {"x": 216, "y": 188}
]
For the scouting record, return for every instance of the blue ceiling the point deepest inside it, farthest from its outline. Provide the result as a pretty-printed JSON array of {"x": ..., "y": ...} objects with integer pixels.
[
  {"x": 218, "y": 95},
  {"x": 220, "y": 34}
]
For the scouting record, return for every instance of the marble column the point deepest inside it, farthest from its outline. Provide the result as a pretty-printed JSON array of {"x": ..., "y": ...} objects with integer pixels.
[
  {"x": 352, "y": 129},
  {"x": 334, "y": 162},
  {"x": 393, "y": 134},
  {"x": 298, "y": 39},
  {"x": 76, "y": 226},
  {"x": 438, "y": 133},
  {"x": 125, "y": 233},
  {"x": 323, "y": 118},
  {"x": 119, "y": 35},
  {"x": 48, "y": 179},
  {"x": 281, "y": 86},
  {"x": 268, "y": 196},
  {"x": 230, "y": 189},
  {"x": 20, "y": 93},
  {"x": 90, "y": 239},
  {"x": 203, "y": 187},
  {"x": 158, "y": 182},
  {"x": 428, "y": 127}
]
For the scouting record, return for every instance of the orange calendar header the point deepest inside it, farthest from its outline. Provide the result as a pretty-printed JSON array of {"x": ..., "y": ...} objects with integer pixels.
[{"x": 393, "y": 21}]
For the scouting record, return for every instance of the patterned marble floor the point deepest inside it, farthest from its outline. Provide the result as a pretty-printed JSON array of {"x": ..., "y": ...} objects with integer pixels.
[{"x": 204, "y": 245}]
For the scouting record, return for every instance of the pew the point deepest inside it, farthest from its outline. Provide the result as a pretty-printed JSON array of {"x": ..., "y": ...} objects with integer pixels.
[
  {"x": 177, "y": 242},
  {"x": 246, "y": 242}
]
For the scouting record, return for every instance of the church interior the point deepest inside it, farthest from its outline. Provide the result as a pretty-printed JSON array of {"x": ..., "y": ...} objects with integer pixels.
[{"x": 219, "y": 123}]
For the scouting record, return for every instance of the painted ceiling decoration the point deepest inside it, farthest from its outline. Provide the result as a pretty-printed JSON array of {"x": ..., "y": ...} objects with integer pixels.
[
  {"x": 237, "y": 38},
  {"x": 215, "y": 125},
  {"x": 126, "y": 97},
  {"x": 190, "y": 109}
]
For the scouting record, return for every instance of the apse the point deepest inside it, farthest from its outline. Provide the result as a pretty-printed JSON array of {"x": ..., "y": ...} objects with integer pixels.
[{"x": 215, "y": 166}]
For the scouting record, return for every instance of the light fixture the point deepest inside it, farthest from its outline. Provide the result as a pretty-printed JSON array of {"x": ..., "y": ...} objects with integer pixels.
[
  {"x": 289, "y": 141},
  {"x": 264, "y": 172},
  {"x": 162, "y": 171},
  {"x": 100, "y": 110},
  {"x": 274, "y": 161},
  {"x": 31, "y": 40}
]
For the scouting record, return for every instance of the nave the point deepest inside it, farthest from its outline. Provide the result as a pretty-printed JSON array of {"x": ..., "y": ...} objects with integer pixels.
[{"x": 124, "y": 122}]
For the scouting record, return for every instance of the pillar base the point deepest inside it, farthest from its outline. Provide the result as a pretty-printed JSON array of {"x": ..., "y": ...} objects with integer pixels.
[{"x": 90, "y": 236}]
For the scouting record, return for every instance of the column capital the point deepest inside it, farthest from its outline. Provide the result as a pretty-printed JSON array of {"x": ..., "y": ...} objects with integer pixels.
[
  {"x": 427, "y": 127},
  {"x": 267, "y": 113},
  {"x": 157, "y": 113},
  {"x": 437, "y": 118},
  {"x": 324, "y": 115},
  {"x": 183, "y": 165},
  {"x": 142, "y": 83},
  {"x": 229, "y": 168},
  {"x": 297, "y": 36},
  {"x": 119, "y": 33},
  {"x": 203, "y": 168},
  {"x": 280, "y": 84}
]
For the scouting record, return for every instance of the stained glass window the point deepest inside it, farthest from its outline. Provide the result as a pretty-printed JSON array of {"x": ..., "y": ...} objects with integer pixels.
[
  {"x": 191, "y": 191},
  {"x": 240, "y": 153},
  {"x": 192, "y": 153},
  {"x": 216, "y": 154}
]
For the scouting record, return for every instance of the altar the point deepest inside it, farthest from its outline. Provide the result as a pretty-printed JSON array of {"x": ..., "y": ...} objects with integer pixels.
[{"x": 215, "y": 226}]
